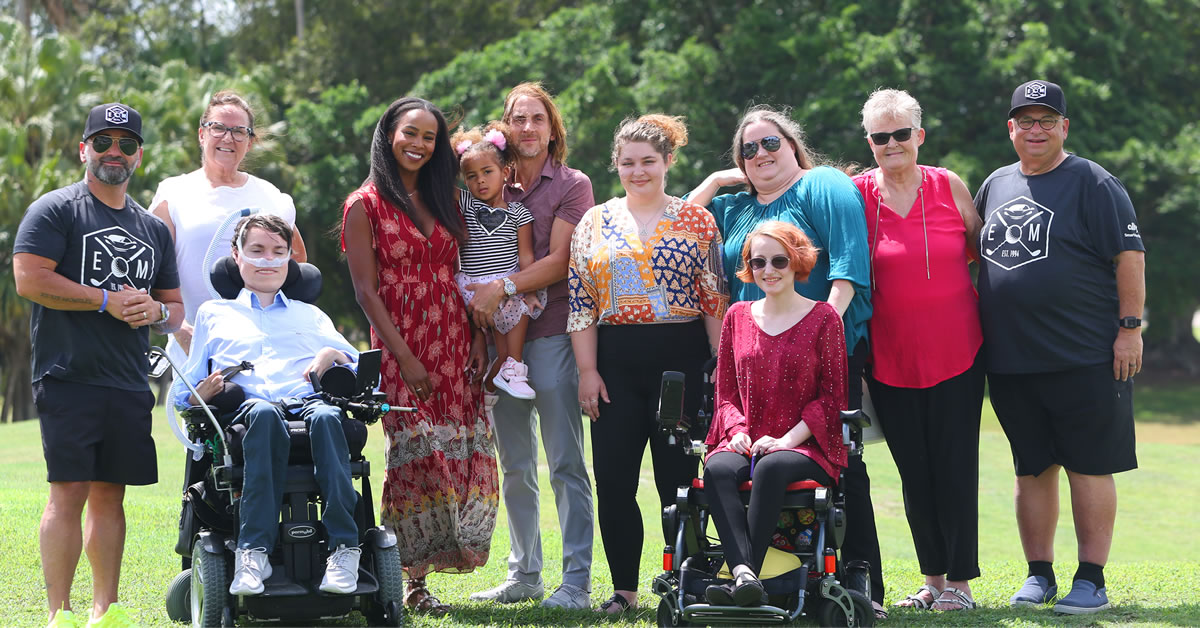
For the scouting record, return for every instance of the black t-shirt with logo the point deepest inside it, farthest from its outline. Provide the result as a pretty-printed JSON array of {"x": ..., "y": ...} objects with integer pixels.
[
  {"x": 1047, "y": 285},
  {"x": 99, "y": 247}
]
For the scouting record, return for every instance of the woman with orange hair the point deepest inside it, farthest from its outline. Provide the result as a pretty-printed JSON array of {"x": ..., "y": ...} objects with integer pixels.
[{"x": 781, "y": 385}]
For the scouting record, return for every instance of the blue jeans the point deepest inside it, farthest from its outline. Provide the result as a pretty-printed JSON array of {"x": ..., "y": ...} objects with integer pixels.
[{"x": 265, "y": 447}]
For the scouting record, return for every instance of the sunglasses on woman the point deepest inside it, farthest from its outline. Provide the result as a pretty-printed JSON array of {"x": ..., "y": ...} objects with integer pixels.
[
  {"x": 101, "y": 144},
  {"x": 778, "y": 262},
  {"x": 770, "y": 143},
  {"x": 901, "y": 135}
]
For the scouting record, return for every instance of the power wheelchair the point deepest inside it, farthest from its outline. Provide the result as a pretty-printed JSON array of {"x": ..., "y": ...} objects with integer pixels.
[
  {"x": 809, "y": 578},
  {"x": 208, "y": 520}
]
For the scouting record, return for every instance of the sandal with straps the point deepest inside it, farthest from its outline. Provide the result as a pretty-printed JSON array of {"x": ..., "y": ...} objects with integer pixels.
[
  {"x": 916, "y": 601},
  {"x": 420, "y": 600},
  {"x": 957, "y": 597},
  {"x": 618, "y": 600}
]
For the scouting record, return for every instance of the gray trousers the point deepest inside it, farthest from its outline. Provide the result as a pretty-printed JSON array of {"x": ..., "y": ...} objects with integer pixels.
[{"x": 553, "y": 375}]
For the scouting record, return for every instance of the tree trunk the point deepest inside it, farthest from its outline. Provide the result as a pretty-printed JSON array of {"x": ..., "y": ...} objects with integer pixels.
[{"x": 300, "y": 22}]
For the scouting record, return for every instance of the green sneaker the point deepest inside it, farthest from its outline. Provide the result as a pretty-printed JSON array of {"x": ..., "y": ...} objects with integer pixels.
[
  {"x": 115, "y": 617},
  {"x": 65, "y": 619}
]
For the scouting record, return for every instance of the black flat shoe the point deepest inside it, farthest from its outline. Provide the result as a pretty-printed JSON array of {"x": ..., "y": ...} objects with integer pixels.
[
  {"x": 719, "y": 594},
  {"x": 748, "y": 591}
]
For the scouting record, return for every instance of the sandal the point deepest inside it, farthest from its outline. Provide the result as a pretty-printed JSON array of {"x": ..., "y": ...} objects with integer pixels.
[
  {"x": 957, "y": 597},
  {"x": 916, "y": 601},
  {"x": 615, "y": 605},
  {"x": 880, "y": 612},
  {"x": 420, "y": 600}
]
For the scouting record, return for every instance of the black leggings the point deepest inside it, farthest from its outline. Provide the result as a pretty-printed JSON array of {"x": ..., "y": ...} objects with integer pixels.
[
  {"x": 631, "y": 360},
  {"x": 746, "y": 533},
  {"x": 862, "y": 539}
]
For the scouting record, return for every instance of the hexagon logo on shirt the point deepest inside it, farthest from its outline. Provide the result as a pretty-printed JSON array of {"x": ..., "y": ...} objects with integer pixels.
[
  {"x": 112, "y": 257},
  {"x": 1016, "y": 233}
]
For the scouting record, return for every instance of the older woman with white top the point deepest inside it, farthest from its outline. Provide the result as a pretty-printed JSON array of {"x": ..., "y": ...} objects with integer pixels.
[
  {"x": 923, "y": 371},
  {"x": 199, "y": 207}
]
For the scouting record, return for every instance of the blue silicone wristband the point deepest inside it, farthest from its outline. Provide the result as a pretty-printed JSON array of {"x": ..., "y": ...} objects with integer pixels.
[{"x": 104, "y": 303}]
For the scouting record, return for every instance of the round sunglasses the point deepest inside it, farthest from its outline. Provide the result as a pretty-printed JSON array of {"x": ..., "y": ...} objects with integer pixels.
[
  {"x": 770, "y": 143},
  {"x": 901, "y": 135},
  {"x": 778, "y": 262},
  {"x": 101, "y": 144}
]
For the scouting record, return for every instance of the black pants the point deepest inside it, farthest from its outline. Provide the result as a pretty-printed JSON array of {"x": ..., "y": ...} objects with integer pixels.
[
  {"x": 862, "y": 540},
  {"x": 933, "y": 434},
  {"x": 631, "y": 360},
  {"x": 746, "y": 532}
]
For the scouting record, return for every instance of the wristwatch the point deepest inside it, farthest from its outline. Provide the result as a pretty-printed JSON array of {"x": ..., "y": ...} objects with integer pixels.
[
  {"x": 164, "y": 311},
  {"x": 1129, "y": 322},
  {"x": 510, "y": 288}
]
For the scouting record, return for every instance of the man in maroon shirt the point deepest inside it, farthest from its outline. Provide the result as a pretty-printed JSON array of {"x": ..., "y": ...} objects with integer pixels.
[{"x": 557, "y": 196}]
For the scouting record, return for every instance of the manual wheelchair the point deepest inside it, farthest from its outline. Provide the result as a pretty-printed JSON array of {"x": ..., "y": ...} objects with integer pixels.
[
  {"x": 803, "y": 574},
  {"x": 208, "y": 520}
]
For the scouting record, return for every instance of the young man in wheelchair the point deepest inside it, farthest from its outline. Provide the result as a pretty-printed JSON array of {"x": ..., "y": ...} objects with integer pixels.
[
  {"x": 287, "y": 341},
  {"x": 780, "y": 389}
]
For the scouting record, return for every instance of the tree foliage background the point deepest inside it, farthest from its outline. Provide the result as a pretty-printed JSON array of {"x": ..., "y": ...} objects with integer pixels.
[{"x": 1129, "y": 68}]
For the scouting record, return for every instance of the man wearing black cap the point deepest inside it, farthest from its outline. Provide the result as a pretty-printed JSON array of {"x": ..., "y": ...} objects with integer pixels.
[
  {"x": 100, "y": 271},
  {"x": 1060, "y": 297}
]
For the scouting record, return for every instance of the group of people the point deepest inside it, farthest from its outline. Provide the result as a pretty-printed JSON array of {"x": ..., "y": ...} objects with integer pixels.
[{"x": 803, "y": 285}]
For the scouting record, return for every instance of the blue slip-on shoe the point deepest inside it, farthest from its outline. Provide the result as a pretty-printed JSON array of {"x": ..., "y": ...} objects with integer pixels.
[
  {"x": 1084, "y": 598},
  {"x": 1036, "y": 591}
]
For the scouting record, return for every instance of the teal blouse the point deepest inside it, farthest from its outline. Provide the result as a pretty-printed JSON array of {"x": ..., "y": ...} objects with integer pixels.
[{"x": 826, "y": 205}]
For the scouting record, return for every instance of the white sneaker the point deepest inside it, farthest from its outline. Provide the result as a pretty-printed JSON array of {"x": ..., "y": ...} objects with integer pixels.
[
  {"x": 510, "y": 592},
  {"x": 251, "y": 567},
  {"x": 513, "y": 379},
  {"x": 341, "y": 570},
  {"x": 568, "y": 596}
]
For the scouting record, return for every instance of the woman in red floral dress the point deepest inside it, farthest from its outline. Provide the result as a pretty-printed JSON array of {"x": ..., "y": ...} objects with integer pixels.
[{"x": 401, "y": 231}]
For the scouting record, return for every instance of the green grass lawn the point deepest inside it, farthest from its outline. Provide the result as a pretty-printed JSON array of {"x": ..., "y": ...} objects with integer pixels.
[{"x": 1153, "y": 575}]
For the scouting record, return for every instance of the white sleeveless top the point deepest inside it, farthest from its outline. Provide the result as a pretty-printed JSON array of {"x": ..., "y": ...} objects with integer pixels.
[{"x": 197, "y": 209}]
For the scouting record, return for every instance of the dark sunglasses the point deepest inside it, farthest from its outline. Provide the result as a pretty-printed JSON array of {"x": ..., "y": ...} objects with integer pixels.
[
  {"x": 101, "y": 144},
  {"x": 779, "y": 262},
  {"x": 901, "y": 135},
  {"x": 771, "y": 143}
]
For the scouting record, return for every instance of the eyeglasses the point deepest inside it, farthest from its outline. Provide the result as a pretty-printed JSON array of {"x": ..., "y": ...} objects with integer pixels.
[
  {"x": 101, "y": 144},
  {"x": 901, "y": 135},
  {"x": 1047, "y": 123},
  {"x": 218, "y": 130},
  {"x": 779, "y": 262},
  {"x": 770, "y": 143}
]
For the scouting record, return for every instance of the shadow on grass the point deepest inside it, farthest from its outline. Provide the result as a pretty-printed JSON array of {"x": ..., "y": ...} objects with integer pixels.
[{"x": 1120, "y": 615}]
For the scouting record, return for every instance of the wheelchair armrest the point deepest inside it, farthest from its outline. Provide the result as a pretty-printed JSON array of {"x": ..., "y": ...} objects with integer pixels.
[{"x": 856, "y": 418}]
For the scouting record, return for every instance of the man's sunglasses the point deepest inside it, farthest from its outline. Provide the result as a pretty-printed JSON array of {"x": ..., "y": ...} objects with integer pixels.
[
  {"x": 901, "y": 135},
  {"x": 101, "y": 144},
  {"x": 771, "y": 143},
  {"x": 779, "y": 262}
]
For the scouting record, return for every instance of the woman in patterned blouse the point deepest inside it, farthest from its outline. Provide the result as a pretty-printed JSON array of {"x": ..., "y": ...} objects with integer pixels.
[
  {"x": 647, "y": 295},
  {"x": 781, "y": 385}
]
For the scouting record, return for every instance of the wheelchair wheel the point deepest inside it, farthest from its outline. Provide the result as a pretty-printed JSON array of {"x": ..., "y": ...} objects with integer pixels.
[
  {"x": 179, "y": 597},
  {"x": 209, "y": 590},
  {"x": 831, "y": 614},
  {"x": 666, "y": 618},
  {"x": 391, "y": 586}
]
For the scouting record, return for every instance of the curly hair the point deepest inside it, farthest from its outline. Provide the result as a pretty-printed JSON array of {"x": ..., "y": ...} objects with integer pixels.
[
  {"x": 477, "y": 141},
  {"x": 665, "y": 133}
]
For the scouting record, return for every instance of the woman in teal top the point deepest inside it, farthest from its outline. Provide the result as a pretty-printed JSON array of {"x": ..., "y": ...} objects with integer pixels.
[{"x": 785, "y": 184}]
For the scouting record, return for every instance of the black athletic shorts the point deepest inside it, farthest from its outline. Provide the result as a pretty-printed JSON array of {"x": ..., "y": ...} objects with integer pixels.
[
  {"x": 1081, "y": 419},
  {"x": 95, "y": 433}
]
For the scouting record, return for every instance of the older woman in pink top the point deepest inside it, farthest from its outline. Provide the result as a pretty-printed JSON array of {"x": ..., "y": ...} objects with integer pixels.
[{"x": 924, "y": 373}]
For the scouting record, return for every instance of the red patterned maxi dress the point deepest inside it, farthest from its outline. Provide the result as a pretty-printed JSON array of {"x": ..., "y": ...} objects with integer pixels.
[{"x": 440, "y": 494}]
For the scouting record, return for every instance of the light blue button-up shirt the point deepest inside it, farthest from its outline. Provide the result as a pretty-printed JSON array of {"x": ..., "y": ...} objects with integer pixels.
[{"x": 280, "y": 340}]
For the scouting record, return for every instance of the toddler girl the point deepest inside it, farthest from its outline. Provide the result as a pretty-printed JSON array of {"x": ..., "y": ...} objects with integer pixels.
[{"x": 499, "y": 241}]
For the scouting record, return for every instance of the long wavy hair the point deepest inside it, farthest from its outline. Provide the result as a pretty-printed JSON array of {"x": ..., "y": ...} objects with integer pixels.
[{"x": 435, "y": 181}]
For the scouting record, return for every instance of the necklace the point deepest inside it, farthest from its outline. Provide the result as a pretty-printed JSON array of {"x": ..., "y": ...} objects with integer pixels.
[
  {"x": 646, "y": 229},
  {"x": 879, "y": 210}
]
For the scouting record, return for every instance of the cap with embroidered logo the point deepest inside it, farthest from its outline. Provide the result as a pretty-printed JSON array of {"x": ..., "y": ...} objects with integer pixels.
[
  {"x": 1039, "y": 92},
  {"x": 113, "y": 115}
]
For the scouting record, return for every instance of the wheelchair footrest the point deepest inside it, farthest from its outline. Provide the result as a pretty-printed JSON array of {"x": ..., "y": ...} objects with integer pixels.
[{"x": 757, "y": 615}]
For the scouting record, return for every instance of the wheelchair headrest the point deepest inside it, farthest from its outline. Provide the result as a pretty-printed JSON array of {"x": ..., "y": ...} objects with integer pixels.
[{"x": 303, "y": 281}]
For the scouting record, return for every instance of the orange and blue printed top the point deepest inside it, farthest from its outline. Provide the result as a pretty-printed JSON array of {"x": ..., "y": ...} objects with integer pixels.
[{"x": 675, "y": 276}]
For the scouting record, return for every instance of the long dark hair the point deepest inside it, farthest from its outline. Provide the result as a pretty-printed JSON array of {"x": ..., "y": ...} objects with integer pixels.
[{"x": 435, "y": 181}]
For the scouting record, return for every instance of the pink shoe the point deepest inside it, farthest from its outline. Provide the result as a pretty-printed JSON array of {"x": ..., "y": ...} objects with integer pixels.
[{"x": 513, "y": 379}]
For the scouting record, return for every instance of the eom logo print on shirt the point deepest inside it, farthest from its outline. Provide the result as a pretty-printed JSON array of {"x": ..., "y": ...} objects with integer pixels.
[
  {"x": 112, "y": 257},
  {"x": 1017, "y": 233}
]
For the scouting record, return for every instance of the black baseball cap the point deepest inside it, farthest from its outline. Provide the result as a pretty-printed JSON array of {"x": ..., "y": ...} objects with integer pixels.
[
  {"x": 1039, "y": 92},
  {"x": 113, "y": 115}
]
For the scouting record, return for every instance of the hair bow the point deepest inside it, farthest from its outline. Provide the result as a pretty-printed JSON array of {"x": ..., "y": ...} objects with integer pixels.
[
  {"x": 496, "y": 138},
  {"x": 462, "y": 147}
]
